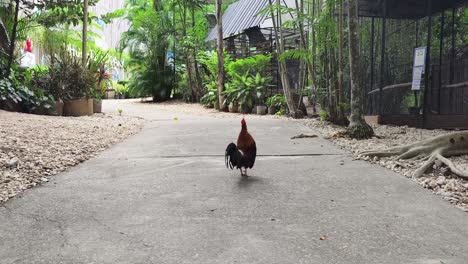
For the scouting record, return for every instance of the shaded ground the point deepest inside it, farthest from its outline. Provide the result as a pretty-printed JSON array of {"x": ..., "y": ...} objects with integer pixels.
[{"x": 161, "y": 197}]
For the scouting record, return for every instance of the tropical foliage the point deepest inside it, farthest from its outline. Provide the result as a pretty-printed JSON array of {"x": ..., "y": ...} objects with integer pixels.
[{"x": 147, "y": 43}]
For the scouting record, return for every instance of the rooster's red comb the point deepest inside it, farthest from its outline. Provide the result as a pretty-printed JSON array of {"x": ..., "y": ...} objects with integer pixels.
[{"x": 243, "y": 122}]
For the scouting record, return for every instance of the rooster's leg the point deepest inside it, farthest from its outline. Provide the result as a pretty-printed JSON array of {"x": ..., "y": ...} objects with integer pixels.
[{"x": 244, "y": 173}]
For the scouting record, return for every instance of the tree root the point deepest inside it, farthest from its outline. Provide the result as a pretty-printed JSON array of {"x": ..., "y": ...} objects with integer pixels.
[
  {"x": 340, "y": 134},
  {"x": 430, "y": 150},
  {"x": 360, "y": 130},
  {"x": 304, "y": 136}
]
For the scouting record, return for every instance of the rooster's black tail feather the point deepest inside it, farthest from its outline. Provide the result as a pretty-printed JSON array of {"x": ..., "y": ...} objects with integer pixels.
[{"x": 232, "y": 156}]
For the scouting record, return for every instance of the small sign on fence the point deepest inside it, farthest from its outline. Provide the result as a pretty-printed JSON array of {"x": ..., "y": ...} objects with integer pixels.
[
  {"x": 418, "y": 67},
  {"x": 417, "y": 76},
  {"x": 419, "y": 56}
]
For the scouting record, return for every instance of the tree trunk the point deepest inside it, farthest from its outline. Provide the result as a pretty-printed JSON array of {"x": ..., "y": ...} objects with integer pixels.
[
  {"x": 358, "y": 128},
  {"x": 188, "y": 66},
  {"x": 5, "y": 40},
  {"x": 219, "y": 17},
  {"x": 282, "y": 67},
  {"x": 156, "y": 5},
  {"x": 85, "y": 33},
  {"x": 188, "y": 63},
  {"x": 198, "y": 79},
  {"x": 13, "y": 39},
  {"x": 342, "y": 120},
  {"x": 304, "y": 63},
  {"x": 312, "y": 69}
]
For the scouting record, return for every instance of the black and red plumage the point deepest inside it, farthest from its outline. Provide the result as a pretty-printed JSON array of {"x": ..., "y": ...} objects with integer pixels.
[{"x": 242, "y": 155}]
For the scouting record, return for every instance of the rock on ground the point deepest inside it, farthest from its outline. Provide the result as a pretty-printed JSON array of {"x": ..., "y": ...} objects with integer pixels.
[{"x": 33, "y": 147}]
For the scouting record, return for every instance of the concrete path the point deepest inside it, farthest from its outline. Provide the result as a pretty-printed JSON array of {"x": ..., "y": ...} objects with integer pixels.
[{"x": 165, "y": 196}]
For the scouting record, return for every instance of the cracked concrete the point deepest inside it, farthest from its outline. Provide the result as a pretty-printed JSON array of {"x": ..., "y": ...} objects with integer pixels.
[{"x": 129, "y": 205}]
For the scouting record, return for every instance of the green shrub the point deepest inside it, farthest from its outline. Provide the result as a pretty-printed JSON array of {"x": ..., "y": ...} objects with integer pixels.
[
  {"x": 14, "y": 90},
  {"x": 210, "y": 99},
  {"x": 323, "y": 115},
  {"x": 68, "y": 79},
  {"x": 257, "y": 64},
  {"x": 277, "y": 100},
  {"x": 208, "y": 60}
]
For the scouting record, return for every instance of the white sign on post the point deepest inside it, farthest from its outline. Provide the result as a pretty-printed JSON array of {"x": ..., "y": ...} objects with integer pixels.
[
  {"x": 417, "y": 76},
  {"x": 419, "y": 57},
  {"x": 418, "y": 67}
]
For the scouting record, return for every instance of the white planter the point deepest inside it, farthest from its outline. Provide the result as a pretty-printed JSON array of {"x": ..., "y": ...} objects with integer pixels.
[{"x": 261, "y": 110}]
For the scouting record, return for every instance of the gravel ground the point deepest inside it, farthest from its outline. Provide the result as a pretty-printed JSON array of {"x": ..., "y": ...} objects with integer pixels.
[
  {"x": 33, "y": 147},
  {"x": 440, "y": 180}
]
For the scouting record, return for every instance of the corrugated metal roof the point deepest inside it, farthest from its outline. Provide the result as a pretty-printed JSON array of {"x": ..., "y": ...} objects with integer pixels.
[{"x": 240, "y": 16}]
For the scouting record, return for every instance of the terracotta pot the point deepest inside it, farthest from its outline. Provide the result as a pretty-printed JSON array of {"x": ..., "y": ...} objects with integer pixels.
[
  {"x": 261, "y": 110},
  {"x": 271, "y": 110},
  {"x": 97, "y": 106},
  {"x": 79, "y": 107},
  {"x": 233, "y": 108},
  {"x": 59, "y": 108},
  {"x": 110, "y": 94}
]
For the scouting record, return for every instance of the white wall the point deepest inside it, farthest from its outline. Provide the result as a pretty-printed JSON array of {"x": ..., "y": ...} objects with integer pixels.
[{"x": 111, "y": 32}]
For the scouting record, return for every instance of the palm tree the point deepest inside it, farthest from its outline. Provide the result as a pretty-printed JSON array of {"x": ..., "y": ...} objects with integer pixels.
[{"x": 147, "y": 42}]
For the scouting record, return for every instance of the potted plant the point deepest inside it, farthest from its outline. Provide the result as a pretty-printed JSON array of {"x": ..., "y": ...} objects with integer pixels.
[
  {"x": 125, "y": 89},
  {"x": 110, "y": 93},
  {"x": 76, "y": 82},
  {"x": 233, "y": 107},
  {"x": 271, "y": 106},
  {"x": 231, "y": 98},
  {"x": 276, "y": 103},
  {"x": 121, "y": 91},
  {"x": 97, "y": 101},
  {"x": 243, "y": 89},
  {"x": 98, "y": 94},
  {"x": 260, "y": 84},
  {"x": 96, "y": 64},
  {"x": 97, "y": 105},
  {"x": 210, "y": 99},
  {"x": 261, "y": 110}
]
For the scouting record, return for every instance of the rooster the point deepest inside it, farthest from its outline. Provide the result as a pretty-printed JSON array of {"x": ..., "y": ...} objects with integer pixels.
[{"x": 243, "y": 155}]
